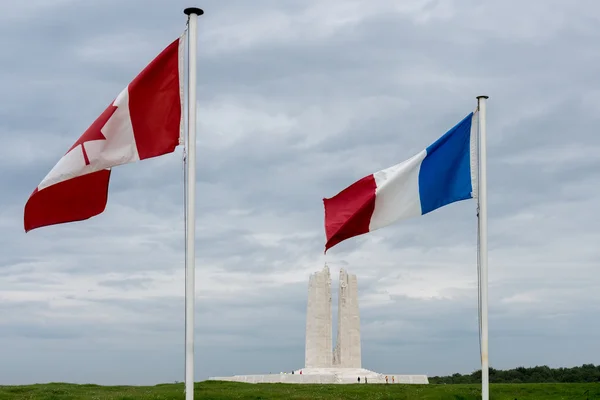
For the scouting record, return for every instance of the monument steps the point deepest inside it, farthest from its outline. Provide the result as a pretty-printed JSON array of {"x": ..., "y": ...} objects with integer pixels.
[{"x": 329, "y": 376}]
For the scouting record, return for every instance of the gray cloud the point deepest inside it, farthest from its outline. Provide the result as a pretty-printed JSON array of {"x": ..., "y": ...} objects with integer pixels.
[{"x": 296, "y": 100}]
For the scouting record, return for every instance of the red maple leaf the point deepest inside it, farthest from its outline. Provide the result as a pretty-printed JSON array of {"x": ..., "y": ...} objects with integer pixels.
[{"x": 94, "y": 132}]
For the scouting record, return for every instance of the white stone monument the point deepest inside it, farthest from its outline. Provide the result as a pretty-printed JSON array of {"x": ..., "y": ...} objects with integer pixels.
[
  {"x": 319, "y": 327},
  {"x": 343, "y": 364},
  {"x": 347, "y": 349},
  {"x": 323, "y": 363},
  {"x": 318, "y": 321}
]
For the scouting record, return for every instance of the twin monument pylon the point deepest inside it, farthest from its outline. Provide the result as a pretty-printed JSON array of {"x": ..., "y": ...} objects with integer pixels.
[
  {"x": 319, "y": 351},
  {"x": 342, "y": 363},
  {"x": 322, "y": 362}
]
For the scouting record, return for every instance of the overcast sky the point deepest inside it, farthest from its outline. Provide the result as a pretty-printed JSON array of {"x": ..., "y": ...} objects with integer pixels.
[{"x": 297, "y": 100}]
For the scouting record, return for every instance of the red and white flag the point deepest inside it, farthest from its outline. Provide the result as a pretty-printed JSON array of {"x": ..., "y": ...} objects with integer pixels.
[{"x": 145, "y": 120}]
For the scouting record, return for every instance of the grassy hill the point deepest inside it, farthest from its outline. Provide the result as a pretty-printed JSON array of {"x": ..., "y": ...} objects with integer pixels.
[{"x": 243, "y": 391}]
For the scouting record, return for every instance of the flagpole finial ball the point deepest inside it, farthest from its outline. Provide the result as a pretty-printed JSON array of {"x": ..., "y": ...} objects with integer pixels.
[{"x": 193, "y": 10}]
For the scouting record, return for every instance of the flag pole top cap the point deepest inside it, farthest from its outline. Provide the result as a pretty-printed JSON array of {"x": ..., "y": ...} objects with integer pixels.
[
  {"x": 193, "y": 10},
  {"x": 483, "y": 97}
]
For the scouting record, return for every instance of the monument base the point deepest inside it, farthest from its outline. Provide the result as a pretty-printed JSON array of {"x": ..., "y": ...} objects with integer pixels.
[{"x": 328, "y": 376}]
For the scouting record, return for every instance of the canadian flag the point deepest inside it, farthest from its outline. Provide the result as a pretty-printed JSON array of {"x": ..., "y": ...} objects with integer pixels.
[{"x": 145, "y": 120}]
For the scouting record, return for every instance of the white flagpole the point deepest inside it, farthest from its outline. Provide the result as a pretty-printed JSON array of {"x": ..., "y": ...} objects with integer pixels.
[
  {"x": 483, "y": 252},
  {"x": 190, "y": 254}
]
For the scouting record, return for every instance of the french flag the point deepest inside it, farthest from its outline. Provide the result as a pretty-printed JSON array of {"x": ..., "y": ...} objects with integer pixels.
[{"x": 443, "y": 173}]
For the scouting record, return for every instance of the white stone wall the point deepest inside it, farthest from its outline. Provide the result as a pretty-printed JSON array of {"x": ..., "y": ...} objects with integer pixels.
[
  {"x": 347, "y": 352},
  {"x": 318, "y": 321},
  {"x": 354, "y": 345},
  {"x": 341, "y": 320},
  {"x": 336, "y": 378}
]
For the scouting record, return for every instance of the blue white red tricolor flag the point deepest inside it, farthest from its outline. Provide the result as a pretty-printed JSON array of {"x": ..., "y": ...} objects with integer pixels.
[{"x": 443, "y": 173}]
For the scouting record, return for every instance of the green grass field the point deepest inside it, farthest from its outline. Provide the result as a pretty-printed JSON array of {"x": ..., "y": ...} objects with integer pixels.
[{"x": 229, "y": 390}]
